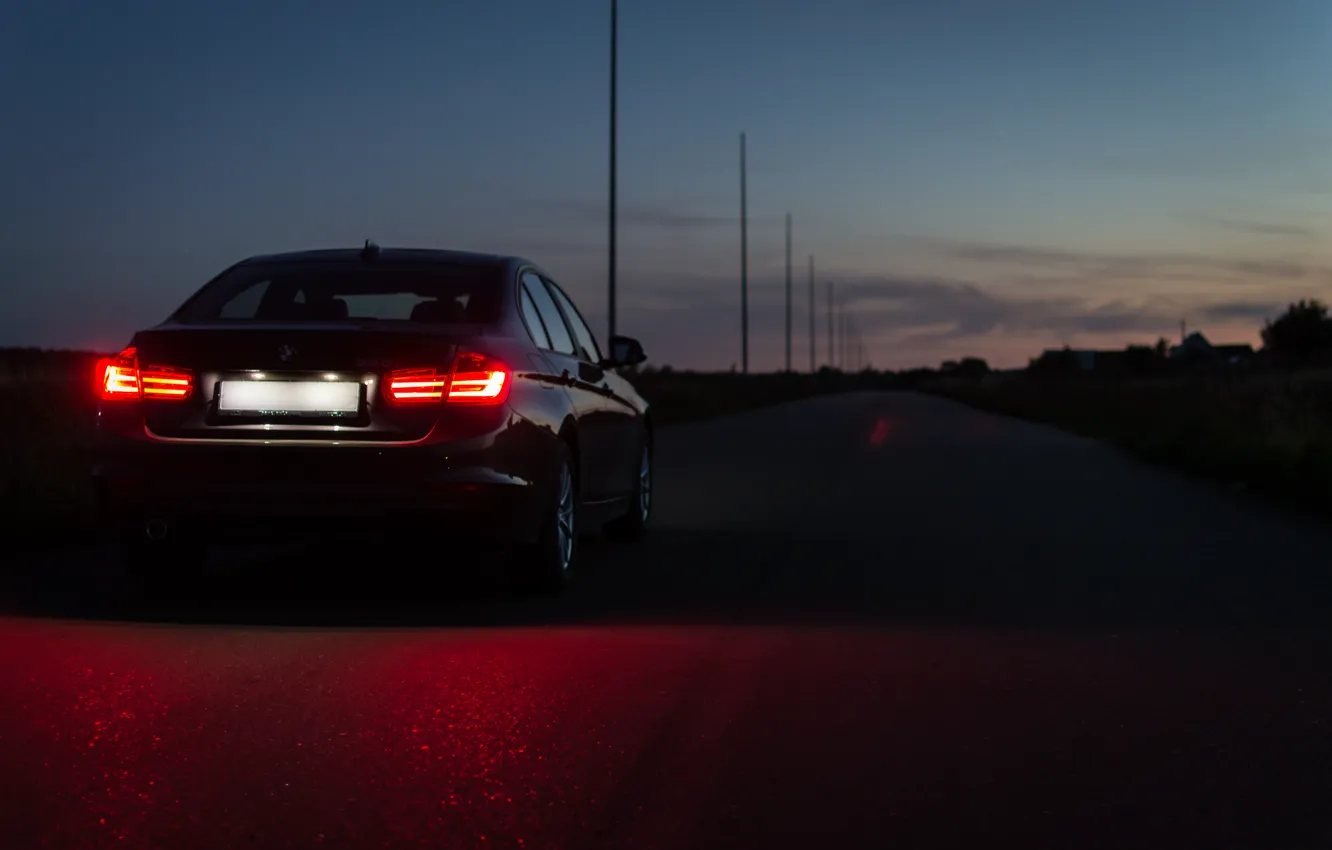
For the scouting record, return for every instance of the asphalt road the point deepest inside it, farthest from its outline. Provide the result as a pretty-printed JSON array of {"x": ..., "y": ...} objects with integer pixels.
[{"x": 861, "y": 621}]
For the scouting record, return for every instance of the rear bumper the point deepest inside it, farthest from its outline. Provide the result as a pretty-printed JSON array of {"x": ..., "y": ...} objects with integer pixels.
[{"x": 226, "y": 490}]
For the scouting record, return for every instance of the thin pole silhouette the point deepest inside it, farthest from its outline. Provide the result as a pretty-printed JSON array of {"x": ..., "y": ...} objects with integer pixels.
[
  {"x": 744, "y": 263},
  {"x": 788, "y": 292},
  {"x": 832, "y": 329},
  {"x": 614, "y": 68},
  {"x": 854, "y": 343},
  {"x": 841, "y": 333},
  {"x": 812, "y": 367},
  {"x": 846, "y": 338},
  {"x": 850, "y": 343}
]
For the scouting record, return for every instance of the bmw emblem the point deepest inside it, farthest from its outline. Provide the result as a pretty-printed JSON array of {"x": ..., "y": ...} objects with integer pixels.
[{"x": 285, "y": 353}]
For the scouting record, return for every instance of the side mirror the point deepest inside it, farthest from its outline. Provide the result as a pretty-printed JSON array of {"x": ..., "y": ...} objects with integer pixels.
[{"x": 625, "y": 351}]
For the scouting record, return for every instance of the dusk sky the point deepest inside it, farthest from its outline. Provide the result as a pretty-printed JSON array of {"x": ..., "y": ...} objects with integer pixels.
[{"x": 978, "y": 176}]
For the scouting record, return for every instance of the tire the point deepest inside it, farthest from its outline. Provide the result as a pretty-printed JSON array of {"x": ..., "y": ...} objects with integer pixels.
[
  {"x": 544, "y": 567},
  {"x": 161, "y": 565},
  {"x": 635, "y": 522}
]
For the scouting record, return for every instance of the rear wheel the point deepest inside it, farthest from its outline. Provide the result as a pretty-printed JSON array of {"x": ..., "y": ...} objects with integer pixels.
[
  {"x": 634, "y": 523},
  {"x": 543, "y": 568}
]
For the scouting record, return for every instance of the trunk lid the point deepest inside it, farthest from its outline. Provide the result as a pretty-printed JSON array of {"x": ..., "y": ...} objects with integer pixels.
[{"x": 306, "y": 353}]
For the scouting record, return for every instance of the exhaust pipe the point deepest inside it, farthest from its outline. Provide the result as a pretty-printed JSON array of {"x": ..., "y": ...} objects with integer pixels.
[{"x": 156, "y": 529}]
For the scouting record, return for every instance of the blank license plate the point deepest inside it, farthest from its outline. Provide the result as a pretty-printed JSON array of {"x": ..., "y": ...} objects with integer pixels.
[{"x": 297, "y": 397}]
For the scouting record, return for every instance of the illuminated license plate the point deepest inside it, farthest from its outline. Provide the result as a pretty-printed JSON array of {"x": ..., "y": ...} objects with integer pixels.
[{"x": 290, "y": 397}]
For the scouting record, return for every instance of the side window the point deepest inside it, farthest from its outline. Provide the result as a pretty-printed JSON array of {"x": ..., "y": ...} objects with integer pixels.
[
  {"x": 533, "y": 319},
  {"x": 585, "y": 338},
  {"x": 550, "y": 314}
]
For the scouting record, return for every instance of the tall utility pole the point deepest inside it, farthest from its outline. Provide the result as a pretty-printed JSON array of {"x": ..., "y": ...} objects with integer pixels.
[
  {"x": 744, "y": 263},
  {"x": 832, "y": 330},
  {"x": 846, "y": 331},
  {"x": 812, "y": 367},
  {"x": 852, "y": 344},
  {"x": 855, "y": 341},
  {"x": 841, "y": 333},
  {"x": 614, "y": 66},
  {"x": 788, "y": 292}
]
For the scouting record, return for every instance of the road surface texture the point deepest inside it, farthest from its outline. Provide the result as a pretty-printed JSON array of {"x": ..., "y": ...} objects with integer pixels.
[{"x": 874, "y": 620}]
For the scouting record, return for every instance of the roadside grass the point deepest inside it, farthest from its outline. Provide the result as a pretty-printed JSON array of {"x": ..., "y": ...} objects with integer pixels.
[
  {"x": 48, "y": 423},
  {"x": 47, "y": 430},
  {"x": 1269, "y": 432}
]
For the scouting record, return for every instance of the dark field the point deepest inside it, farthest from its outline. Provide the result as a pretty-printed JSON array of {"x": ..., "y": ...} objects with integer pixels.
[
  {"x": 47, "y": 422},
  {"x": 1268, "y": 431}
]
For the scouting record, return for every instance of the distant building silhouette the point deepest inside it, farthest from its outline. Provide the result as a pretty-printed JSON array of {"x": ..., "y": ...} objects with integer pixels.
[
  {"x": 1196, "y": 348},
  {"x": 1070, "y": 359}
]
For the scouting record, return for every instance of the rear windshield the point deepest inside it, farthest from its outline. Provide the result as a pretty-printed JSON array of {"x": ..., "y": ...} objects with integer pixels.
[{"x": 438, "y": 293}]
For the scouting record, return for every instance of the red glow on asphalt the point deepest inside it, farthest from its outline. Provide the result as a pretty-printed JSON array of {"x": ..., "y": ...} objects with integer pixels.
[
  {"x": 882, "y": 429},
  {"x": 629, "y": 737}
]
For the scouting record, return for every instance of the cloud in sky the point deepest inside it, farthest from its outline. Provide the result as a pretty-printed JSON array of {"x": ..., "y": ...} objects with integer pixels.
[
  {"x": 693, "y": 321},
  {"x": 1259, "y": 228},
  {"x": 1147, "y": 267},
  {"x": 969, "y": 310},
  {"x": 679, "y": 292}
]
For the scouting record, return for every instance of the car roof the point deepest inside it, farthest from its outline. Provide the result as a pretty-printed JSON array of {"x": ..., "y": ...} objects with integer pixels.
[{"x": 389, "y": 255}]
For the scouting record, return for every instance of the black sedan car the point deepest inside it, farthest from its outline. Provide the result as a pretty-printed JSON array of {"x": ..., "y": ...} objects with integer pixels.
[{"x": 436, "y": 396}]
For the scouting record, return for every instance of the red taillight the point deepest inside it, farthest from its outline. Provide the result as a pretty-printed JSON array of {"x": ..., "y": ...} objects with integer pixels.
[
  {"x": 474, "y": 379},
  {"x": 120, "y": 378},
  {"x": 416, "y": 386},
  {"x": 478, "y": 380},
  {"x": 166, "y": 382}
]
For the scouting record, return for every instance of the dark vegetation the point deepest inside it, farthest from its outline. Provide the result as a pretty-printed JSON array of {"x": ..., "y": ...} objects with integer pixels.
[
  {"x": 47, "y": 421},
  {"x": 1263, "y": 421}
]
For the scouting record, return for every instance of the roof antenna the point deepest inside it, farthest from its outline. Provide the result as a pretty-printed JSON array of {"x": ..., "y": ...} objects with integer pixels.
[{"x": 370, "y": 251}]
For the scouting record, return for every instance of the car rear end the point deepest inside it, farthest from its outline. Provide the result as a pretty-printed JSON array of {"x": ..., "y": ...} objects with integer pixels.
[{"x": 382, "y": 417}]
